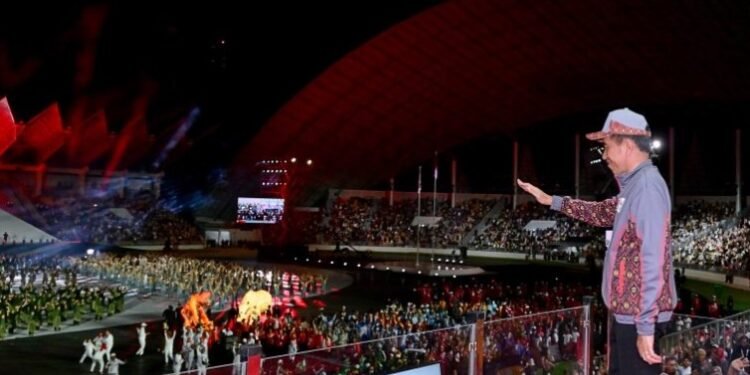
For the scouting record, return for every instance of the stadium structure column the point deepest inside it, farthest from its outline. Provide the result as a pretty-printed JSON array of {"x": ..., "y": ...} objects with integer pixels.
[
  {"x": 453, "y": 182},
  {"x": 738, "y": 168},
  {"x": 515, "y": 173},
  {"x": 578, "y": 165},
  {"x": 390, "y": 193}
]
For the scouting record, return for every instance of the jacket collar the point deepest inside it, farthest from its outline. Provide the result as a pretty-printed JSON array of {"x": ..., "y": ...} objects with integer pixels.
[{"x": 624, "y": 178}]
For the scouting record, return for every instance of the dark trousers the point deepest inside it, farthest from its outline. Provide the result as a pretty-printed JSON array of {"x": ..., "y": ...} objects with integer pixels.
[{"x": 623, "y": 353}]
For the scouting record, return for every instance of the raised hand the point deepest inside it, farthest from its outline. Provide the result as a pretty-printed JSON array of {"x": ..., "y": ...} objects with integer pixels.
[{"x": 540, "y": 196}]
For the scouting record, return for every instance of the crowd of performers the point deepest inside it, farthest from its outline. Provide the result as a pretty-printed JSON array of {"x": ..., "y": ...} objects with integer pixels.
[
  {"x": 37, "y": 293},
  {"x": 181, "y": 277},
  {"x": 399, "y": 328}
]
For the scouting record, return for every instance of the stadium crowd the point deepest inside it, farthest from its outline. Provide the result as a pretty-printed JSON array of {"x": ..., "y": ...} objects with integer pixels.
[{"x": 705, "y": 234}]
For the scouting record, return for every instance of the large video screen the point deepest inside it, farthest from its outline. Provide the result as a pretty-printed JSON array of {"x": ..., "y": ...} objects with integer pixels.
[{"x": 259, "y": 210}]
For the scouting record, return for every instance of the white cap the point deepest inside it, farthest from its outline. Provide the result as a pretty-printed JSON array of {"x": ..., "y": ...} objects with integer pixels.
[{"x": 623, "y": 122}]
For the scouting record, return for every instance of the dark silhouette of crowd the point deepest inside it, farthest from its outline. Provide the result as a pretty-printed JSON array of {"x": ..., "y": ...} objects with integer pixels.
[{"x": 141, "y": 219}]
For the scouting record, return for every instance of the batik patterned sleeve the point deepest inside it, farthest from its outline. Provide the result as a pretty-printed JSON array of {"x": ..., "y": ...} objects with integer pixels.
[{"x": 600, "y": 214}]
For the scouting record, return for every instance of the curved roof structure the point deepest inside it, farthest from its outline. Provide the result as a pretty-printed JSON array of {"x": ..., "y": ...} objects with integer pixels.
[{"x": 470, "y": 68}]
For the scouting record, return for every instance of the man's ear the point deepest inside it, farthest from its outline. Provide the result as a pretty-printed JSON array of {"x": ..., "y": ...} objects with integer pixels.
[{"x": 630, "y": 145}]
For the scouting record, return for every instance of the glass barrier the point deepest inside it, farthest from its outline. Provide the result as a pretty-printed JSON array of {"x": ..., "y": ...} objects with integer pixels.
[
  {"x": 681, "y": 322},
  {"x": 558, "y": 341},
  {"x": 449, "y": 347},
  {"x": 229, "y": 369},
  {"x": 552, "y": 342}
]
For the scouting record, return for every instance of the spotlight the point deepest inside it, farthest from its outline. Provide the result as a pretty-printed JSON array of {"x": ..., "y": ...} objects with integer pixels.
[
  {"x": 309, "y": 161},
  {"x": 293, "y": 160},
  {"x": 656, "y": 144},
  {"x": 90, "y": 252}
]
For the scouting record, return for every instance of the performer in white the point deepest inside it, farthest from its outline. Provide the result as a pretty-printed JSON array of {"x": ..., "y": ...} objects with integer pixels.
[
  {"x": 187, "y": 334},
  {"x": 293, "y": 347},
  {"x": 88, "y": 350},
  {"x": 237, "y": 360},
  {"x": 201, "y": 356},
  {"x": 109, "y": 341},
  {"x": 113, "y": 366},
  {"x": 189, "y": 353},
  {"x": 141, "y": 338},
  {"x": 204, "y": 344},
  {"x": 98, "y": 358},
  {"x": 168, "y": 346},
  {"x": 177, "y": 365}
]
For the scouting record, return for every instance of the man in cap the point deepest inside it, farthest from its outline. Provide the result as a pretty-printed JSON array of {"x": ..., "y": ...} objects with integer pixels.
[{"x": 638, "y": 282}]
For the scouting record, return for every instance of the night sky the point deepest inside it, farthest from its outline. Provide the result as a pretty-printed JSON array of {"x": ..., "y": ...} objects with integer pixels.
[{"x": 239, "y": 67}]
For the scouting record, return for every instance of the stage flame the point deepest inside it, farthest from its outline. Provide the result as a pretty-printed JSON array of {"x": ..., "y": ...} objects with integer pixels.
[
  {"x": 253, "y": 304},
  {"x": 194, "y": 311}
]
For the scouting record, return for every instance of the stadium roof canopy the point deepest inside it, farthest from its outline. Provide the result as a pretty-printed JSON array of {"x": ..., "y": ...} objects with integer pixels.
[{"x": 466, "y": 69}]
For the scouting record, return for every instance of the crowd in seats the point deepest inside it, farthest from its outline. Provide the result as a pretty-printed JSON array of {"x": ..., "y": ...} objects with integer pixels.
[
  {"x": 705, "y": 234},
  {"x": 371, "y": 221},
  {"x": 708, "y": 235},
  {"x": 709, "y": 348},
  {"x": 507, "y": 233},
  {"x": 699, "y": 231},
  {"x": 37, "y": 293},
  {"x": 457, "y": 222}
]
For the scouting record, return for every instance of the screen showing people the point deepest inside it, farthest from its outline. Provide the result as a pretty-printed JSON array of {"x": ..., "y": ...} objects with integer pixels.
[{"x": 259, "y": 210}]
